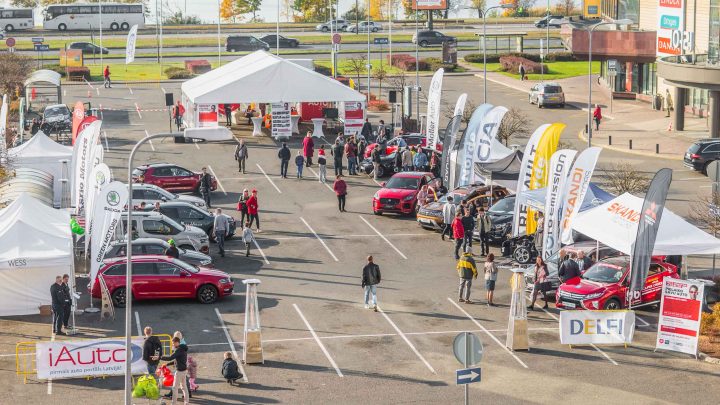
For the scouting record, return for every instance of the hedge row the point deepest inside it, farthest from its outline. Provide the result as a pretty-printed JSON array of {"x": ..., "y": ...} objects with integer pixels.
[{"x": 495, "y": 58}]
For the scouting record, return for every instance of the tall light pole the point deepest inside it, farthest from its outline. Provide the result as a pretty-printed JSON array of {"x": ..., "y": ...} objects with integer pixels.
[
  {"x": 218, "y": 33},
  {"x": 369, "y": 65},
  {"x": 484, "y": 15},
  {"x": 417, "y": 71},
  {"x": 277, "y": 30}
]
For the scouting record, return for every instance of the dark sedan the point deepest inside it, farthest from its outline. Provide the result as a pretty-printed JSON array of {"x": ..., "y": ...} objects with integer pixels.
[
  {"x": 88, "y": 48},
  {"x": 189, "y": 214},
  {"x": 701, "y": 153},
  {"x": 152, "y": 246},
  {"x": 427, "y": 38},
  {"x": 284, "y": 42}
]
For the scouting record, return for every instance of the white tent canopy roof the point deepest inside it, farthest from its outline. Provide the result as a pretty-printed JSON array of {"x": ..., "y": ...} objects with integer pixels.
[
  {"x": 261, "y": 77},
  {"x": 43, "y": 76},
  {"x": 40, "y": 146},
  {"x": 615, "y": 224}
]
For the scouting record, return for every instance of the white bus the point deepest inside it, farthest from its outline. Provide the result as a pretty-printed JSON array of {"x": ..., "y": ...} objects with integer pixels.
[
  {"x": 13, "y": 19},
  {"x": 79, "y": 16}
]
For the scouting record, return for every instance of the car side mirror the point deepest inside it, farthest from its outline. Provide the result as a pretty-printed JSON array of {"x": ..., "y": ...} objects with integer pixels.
[
  {"x": 163, "y": 199},
  {"x": 184, "y": 274},
  {"x": 383, "y": 184}
]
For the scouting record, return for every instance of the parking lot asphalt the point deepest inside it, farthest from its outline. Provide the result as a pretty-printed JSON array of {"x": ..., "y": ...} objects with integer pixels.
[{"x": 320, "y": 344}]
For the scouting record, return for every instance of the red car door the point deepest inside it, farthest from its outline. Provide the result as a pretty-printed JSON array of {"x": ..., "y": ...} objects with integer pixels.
[
  {"x": 175, "y": 282},
  {"x": 653, "y": 283},
  {"x": 163, "y": 177},
  {"x": 143, "y": 280},
  {"x": 186, "y": 180}
]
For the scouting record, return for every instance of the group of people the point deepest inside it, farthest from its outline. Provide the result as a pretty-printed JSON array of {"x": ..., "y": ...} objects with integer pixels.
[
  {"x": 460, "y": 222},
  {"x": 61, "y": 299}
]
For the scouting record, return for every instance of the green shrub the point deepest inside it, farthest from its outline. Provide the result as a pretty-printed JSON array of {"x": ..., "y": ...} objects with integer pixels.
[
  {"x": 436, "y": 63},
  {"x": 174, "y": 72},
  {"x": 56, "y": 68},
  {"x": 323, "y": 70},
  {"x": 560, "y": 57},
  {"x": 495, "y": 58}
]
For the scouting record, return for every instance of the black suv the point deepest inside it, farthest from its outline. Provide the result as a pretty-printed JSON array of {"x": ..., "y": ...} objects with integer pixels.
[
  {"x": 701, "y": 153},
  {"x": 285, "y": 42},
  {"x": 235, "y": 43},
  {"x": 189, "y": 214},
  {"x": 426, "y": 38},
  {"x": 87, "y": 47}
]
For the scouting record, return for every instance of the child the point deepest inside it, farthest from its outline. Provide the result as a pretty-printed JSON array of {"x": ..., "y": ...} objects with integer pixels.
[
  {"x": 299, "y": 162},
  {"x": 230, "y": 370},
  {"x": 248, "y": 238},
  {"x": 321, "y": 164},
  {"x": 192, "y": 373}
]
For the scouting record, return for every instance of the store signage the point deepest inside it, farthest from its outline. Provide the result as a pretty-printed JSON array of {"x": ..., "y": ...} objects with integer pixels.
[
  {"x": 207, "y": 115},
  {"x": 596, "y": 327},
  {"x": 680, "y": 311},
  {"x": 87, "y": 358},
  {"x": 381, "y": 41},
  {"x": 354, "y": 116},
  {"x": 430, "y": 4},
  {"x": 671, "y": 37}
]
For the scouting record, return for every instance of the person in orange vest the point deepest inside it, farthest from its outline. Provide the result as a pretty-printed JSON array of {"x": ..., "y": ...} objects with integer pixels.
[{"x": 106, "y": 75}]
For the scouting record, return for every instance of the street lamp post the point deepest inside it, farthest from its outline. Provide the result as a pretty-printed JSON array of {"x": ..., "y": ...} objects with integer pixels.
[{"x": 484, "y": 42}]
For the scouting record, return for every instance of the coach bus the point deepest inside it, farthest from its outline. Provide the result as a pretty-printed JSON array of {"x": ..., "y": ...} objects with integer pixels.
[
  {"x": 78, "y": 16},
  {"x": 13, "y": 19}
]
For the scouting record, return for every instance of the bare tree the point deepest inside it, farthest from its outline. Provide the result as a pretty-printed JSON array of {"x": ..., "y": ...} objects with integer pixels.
[
  {"x": 622, "y": 178},
  {"x": 357, "y": 65},
  {"x": 515, "y": 123},
  {"x": 705, "y": 214},
  {"x": 15, "y": 69},
  {"x": 380, "y": 74},
  {"x": 566, "y": 7},
  {"x": 478, "y": 5}
]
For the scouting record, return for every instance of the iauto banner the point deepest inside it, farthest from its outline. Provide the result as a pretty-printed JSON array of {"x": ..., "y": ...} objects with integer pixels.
[
  {"x": 680, "y": 311},
  {"x": 87, "y": 358},
  {"x": 596, "y": 327}
]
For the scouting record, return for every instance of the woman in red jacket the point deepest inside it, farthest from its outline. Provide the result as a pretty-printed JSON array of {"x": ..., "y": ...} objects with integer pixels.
[
  {"x": 340, "y": 188},
  {"x": 597, "y": 114},
  {"x": 458, "y": 233},
  {"x": 308, "y": 148},
  {"x": 252, "y": 209}
]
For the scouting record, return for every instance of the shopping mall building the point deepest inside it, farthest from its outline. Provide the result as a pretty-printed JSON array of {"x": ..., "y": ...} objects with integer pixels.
[{"x": 672, "y": 45}]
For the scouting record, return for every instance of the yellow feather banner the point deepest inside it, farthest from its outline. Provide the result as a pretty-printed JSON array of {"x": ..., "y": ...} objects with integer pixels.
[{"x": 539, "y": 175}]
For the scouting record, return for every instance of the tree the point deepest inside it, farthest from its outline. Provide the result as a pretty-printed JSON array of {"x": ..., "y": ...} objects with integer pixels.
[
  {"x": 514, "y": 123},
  {"x": 357, "y": 65},
  {"x": 23, "y": 3},
  {"x": 312, "y": 10},
  {"x": 177, "y": 18},
  {"x": 622, "y": 178},
  {"x": 353, "y": 14},
  {"x": 380, "y": 74},
  {"x": 227, "y": 10},
  {"x": 15, "y": 69},
  {"x": 248, "y": 6},
  {"x": 478, "y": 5},
  {"x": 566, "y": 7},
  {"x": 704, "y": 213}
]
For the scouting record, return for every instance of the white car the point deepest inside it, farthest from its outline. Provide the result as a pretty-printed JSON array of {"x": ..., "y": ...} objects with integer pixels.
[
  {"x": 156, "y": 225},
  {"x": 150, "y": 194},
  {"x": 365, "y": 26}
]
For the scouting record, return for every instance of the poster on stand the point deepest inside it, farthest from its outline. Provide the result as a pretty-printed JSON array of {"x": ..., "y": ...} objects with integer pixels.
[
  {"x": 354, "y": 117},
  {"x": 281, "y": 121},
  {"x": 207, "y": 115},
  {"x": 680, "y": 311}
]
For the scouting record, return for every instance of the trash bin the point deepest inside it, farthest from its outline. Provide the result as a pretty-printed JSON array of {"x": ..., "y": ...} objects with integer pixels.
[{"x": 657, "y": 102}]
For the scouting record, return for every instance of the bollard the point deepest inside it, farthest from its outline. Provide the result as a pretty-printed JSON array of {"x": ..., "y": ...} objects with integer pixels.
[
  {"x": 586, "y": 128},
  {"x": 630, "y": 144},
  {"x": 609, "y": 139},
  {"x": 657, "y": 148}
]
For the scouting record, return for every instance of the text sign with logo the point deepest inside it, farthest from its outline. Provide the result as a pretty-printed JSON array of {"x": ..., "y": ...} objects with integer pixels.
[
  {"x": 87, "y": 358},
  {"x": 467, "y": 375},
  {"x": 42, "y": 47},
  {"x": 612, "y": 67},
  {"x": 671, "y": 18},
  {"x": 281, "y": 121},
  {"x": 381, "y": 41},
  {"x": 680, "y": 311},
  {"x": 596, "y": 327}
]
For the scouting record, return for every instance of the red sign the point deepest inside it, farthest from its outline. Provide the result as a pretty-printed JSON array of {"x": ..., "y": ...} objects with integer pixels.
[
  {"x": 10, "y": 42},
  {"x": 78, "y": 117},
  {"x": 86, "y": 122},
  {"x": 207, "y": 115},
  {"x": 309, "y": 111},
  {"x": 665, "y": 46},
  {"x": 671, "y": 3},
  {"x": 336, "y": 38}
]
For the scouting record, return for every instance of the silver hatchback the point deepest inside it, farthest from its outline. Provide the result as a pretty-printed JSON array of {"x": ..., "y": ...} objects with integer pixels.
[{"x": 545, "y": 94}]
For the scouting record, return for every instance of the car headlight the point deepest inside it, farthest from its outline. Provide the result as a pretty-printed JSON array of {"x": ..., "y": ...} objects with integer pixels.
[
  {"x": 409, "y": 197},
  {"x": 205, "y": 262},
  {"x": 224, "y": 281},
  {"x": 204, "y": 240},
  {"x": 376, "y": 196},
  {"x": 594, "y": 296}
]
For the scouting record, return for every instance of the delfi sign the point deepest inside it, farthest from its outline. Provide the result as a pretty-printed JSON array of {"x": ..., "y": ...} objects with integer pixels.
[
  {"x": 596, "y": 327},
  {"x": 467, "y": 375}
]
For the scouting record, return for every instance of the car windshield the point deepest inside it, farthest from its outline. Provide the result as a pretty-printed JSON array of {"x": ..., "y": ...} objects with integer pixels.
[
  {"x": 406, "y": 183},
  {"x": 603, "y": 273},
  {"x": 187, "y": 266},
  {"x": 58, "y": 110},
  {"x": 505, "y": 206},
  {"x": 553, "y": 89}
]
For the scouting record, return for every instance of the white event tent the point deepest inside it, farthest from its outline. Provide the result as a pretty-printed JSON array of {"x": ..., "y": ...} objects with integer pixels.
[
  {"x": 615, "y": 224},
  {"x": 42, "y": 153},
  {"x": 37, "y": 246}
]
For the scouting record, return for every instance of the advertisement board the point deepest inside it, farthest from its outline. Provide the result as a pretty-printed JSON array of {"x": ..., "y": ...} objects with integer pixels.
[
  {"x": 430, "y": 4},
  {"x": 597, "y": 327},
  {"x": 354, "y": 117},
  {"x": 679, "y": 318},
  {"x": 87, "y": 358},
  {"x": 71, "y": 57},
  {"x": 312, "y": 110},
  {"x": 671, "y": 22},
  {"x": 281, "y": 122},
  {"x": 207, "y": 115}
]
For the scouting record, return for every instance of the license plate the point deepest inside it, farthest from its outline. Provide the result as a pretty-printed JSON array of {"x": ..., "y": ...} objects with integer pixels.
[
  {"x": 425, "y": 221},
  {"x": 569, "y": 304},
  {"x": 388, "y": 206}
]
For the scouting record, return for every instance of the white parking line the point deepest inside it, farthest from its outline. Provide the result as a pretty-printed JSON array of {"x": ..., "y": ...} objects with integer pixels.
[
  {"x": 107, "y": 146},
  {"x": 318, "y": 176},
  {"x": 402, "y": 335},
  {"x": 232, "y": 345},
  {"x": 646, "y": 323},
  {"x": 131, "y": 92},
  {"x": 261, "y": 251},
  {"x": 218, "y": 179},
  {"x": 88, "y": 83},
  {"x": 147, "y": 134},
  {"x": 488, "y": 333},
  {"x": 317, "y": 339},
  {"x": 163, "y": 90},
  {"x": 197, "y": 146},
  {"x": 320, "y": 239},
  {"x": 268, "y": 178},
  {"x": 383, "y": 237},
  {"x": 97, "y": 90},
  {"x": 137, "y": 323},
  {"x": 137, "y": 110}
]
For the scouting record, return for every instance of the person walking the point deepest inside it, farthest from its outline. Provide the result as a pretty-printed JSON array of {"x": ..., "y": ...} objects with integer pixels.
[
  {"x": 322, "y": 165},
  {"x": 366, "y": 130},
  {"x": 308, "y": 148},
  {"x": 370, "y": 279},
  {"x": 337, "y": 151},
  {"x": 206, "y": 186},
  {"x": 299, "y": 163},
  {"x": 458, "y": 233},
  {"x": 467, "y": 270},
  {"x": 241, "y": 154},
  {"x": 521, "y": 70},
  {"x": 420, "y": 161},
  {"x": 539, "y": 232},
  {"x": 491, "y": 272},
  {"x": 376, "y": 161},
  {"x": 569, "y": 268},
  {"x": 361, "y": 145},
  {"x": 284, "y": 156},
  {"x": 541, "y": 283},
  {"x": 106, "y": 76},
  {"x": 248, "y": 237},
  {"x": 152, "y": 349},
  {"x": 668, "y": 103},
  {"x": 351, "y": 155},
  {"x": 172, "y": 250},
  {"x": 57, "y": 299},
  {"x": 227, "y": 109},
  {"x": 340, "y": 188},
  {"x": 468, "y": 221},
  {"x": 597, "y": 116},
  {"x": 177, "y": 113},
  {"x": 485, "y": 225},
  {"x": 67, "y": 301},
  {"x": 407, "y": 161},
  {"x": 448, "y": 213},
  {"x": 221, "y": 229},
  {"x": 242, "y": 205},
  {"x": 253, "y": 208},
  {"x": 179, "y": 356}
]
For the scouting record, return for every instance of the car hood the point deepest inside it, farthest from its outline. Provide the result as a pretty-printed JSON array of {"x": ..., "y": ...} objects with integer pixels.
[
  {"x": 394, "y": 193},
  {"x": 433, "y": 206},
  {"x": 582, "y": 286},
  {"x": 191, "y": 199},
  {"x": 195, "y": 231},
  {"x": 498, "y": 219},
  {"x": 56, "y": 118},
  {"x": 207, "y": 271},
  {"x": 195, "y": 256}
]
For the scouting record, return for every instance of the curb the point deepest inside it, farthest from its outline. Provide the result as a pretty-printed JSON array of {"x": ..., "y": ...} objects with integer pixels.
[
  {"x": 630, "y": 152},
  {"x": 708, "y": 359}
]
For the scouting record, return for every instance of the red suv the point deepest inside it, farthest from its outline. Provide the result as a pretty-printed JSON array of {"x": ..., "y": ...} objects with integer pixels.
[
  {"x": 605, "y": 285},
  {"x": 170, "y": 177},
  {"x": 407, "y": 140},
  {"x": 400, "y": 193},
  {"x": 158, "y": 277}
]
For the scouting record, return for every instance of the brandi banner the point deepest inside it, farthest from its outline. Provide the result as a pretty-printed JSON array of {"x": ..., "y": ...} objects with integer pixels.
[
  {"x": 597, "y": 327},
  {"x": 680, "y": 310},
  {"x": 576, "y": 187},
  {"x": 87, "y": 358}
]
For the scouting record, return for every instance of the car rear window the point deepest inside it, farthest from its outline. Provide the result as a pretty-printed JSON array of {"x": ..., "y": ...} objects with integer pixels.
[
  {"x": 553, "y": 89},
  {"x": 138, "y": 172},
  {"x": 694, "y": 148}
]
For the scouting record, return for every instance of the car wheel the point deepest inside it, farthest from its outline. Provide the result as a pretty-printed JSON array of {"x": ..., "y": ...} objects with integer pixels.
[
  {"x": 612, "y": 304},
  {"x": 119, "y": 297},
  {"x": 62, "y": 27},
  {"x": 530, "y": 99},
  {"x": 114, "y": 26},
  {"x": 374, "y": 30},
  {"x": 207, "y": 294},
  {"x": 325, "y": 29},
  {"x": 423, "y": 44},
  {"x": 381, "y": 171},
  {"x": 187, "y": 247},
  {"x": 562, "y": 105},
  {"x": 377, "y": 212},
  {"x": 9, "y": 28},
  {"x": 125, "y": 26},
  {"x": 522, "y": 255}
]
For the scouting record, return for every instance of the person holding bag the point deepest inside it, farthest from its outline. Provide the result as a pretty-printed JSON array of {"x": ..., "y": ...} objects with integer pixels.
[{"x": 541, "y": 283}]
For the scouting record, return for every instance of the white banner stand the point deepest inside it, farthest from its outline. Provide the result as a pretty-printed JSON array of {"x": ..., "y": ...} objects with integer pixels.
[
  {"x": 517, "y": 332},
  {"x": 252, "y": 349}
]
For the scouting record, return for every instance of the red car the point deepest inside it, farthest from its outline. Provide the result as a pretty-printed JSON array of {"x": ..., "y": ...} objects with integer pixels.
[
  {"x": 400, "y": 193},
  {"x": 605, "y": 285},
  {"x": 402, "y": 140},
  {"x": 170, "y": 177},
  {"x": 158, "y": 277}
]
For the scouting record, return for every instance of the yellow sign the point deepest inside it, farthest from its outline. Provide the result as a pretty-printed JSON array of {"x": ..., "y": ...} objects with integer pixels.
[
  {"x": 591, "y": 8},
  {"x": 539, "y": 175},
  {"x": 71, "y": 57}
]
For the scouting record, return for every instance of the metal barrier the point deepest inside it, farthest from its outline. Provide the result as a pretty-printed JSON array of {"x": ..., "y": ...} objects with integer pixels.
[{"x": 25, "y": 355}]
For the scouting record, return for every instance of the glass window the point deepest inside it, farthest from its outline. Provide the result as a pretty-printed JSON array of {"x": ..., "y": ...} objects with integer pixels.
[
  {"x": 170, "y": 212},
  {"x": 136, "y": 9},
  {"x": 712, "y": 148},
  {"x": 188, "y": 213},
  {"x": 143, "y": 269},
  {"x": 23, "y": 13},
  {"x": 163, "y": 171},
  {"x": 84, "y": 10},
  {"x": 179, "y": 171},
  {"x": 167, "y": 269},
  {"x": 154, "y": 249},
  {"x": 714, "y": 34},
  {"x": 72, "y": 10},
  {"x": 156, "y": 227},
  {"x": 117, "y": 270}
]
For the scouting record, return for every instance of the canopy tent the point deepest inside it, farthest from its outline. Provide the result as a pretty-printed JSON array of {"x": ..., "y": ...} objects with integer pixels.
[
  {"x": 503, "y": 171},
  {"x": 42, "y": 153},
  {"x": 595, "y": 196},
  {"x": 47, "y": 87},
  {"x": 37, "y": 246},
  {"x": 615, "y": 224}
]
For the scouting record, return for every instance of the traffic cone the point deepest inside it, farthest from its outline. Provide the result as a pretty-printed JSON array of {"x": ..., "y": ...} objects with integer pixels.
[{"x": 669, "y": 128}]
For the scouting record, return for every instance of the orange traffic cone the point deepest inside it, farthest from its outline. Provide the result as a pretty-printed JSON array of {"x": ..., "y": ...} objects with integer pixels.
[{"x": 669, "y": 128}]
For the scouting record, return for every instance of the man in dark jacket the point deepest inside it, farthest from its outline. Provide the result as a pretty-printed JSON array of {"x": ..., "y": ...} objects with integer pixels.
[
  {"x": 284, "y": 156},
  {"x": 172, "y": 250},
  {"x": 152, "y": 349},
  {"x": 366, "y": 130},
  {"x": 56, "y": 293},
  {"x": 370, "y": 280},
  {"x": 468, "y": 222},
  {"x": 337, "y": 151},
  {"x": 206, "y": 186},
  {"x": 568, "y": 268},
  {"x": 583, "y": 261},
  {"x": 376, "y": 160},
  {"x": 230, "y": 370},
  {"x": 67, "y": 300},
  {"x": 179, "y": 356}
]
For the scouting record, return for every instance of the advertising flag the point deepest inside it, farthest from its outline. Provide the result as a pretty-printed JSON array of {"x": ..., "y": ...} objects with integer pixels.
[
  {"x": 467, "y": 146},
  {"x": 109, "y": 206},
  {"x": 99, "y": 176},
  {"x": 485, "y": 137},
  {"x": 451, "y": 131},
  {"x": 539, "y": 173},
  {"x": 3, "y": 124},
  {"x": 576, "y": 187},
  {"x": 130, "y": 45},
  {"x": 520, "y": 210},
  {"x": 680, "y": 314},
  {"x": 648, "y": 226},
  {"x": 78, "y": 117},
  {"x": 560, "y": 163},
  {"x": 460, "y": 105},
  {"x": 83, "y": 151},
  {"x": 433, "y": 109}
]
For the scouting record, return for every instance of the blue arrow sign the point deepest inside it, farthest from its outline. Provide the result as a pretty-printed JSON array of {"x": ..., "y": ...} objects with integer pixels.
[
  {"x": 467, "y": 376},
  {"x": 42, "y": 47},
  {"x": 381, "y": 41}
]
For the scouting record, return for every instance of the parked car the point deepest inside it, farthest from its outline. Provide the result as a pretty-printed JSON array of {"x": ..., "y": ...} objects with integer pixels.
[
  {"x": 605, "y": 285},
  {"x": 501, "y": 216},
  {"x": 543, "y": 22},
  {"x": 427, "y": 38},
  {"x": 155, "y": 246},
  {"x": 56, "y": 118},
  {"x": 171, "y": 177},
  {"x": 337, "y": 25},
  {"x": 88, "y": 48},
  {"x": 365, "y": 26},
  {"x": 189, "y": 214},
  {"x": 545, "y": 94},
  {"x": 399, "y": 194},
  {"x": 160, "y": 277},
  {"x": 284, "y": 42},
  {"x": 701, "y": 153},
  {"x": 156, "y": 225},
  {"x": 150, "y": 194},
  {"x": 430, "y": 215},
  {"x": 247, "y": 43},
  {"x": 403, "y": 141}
]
